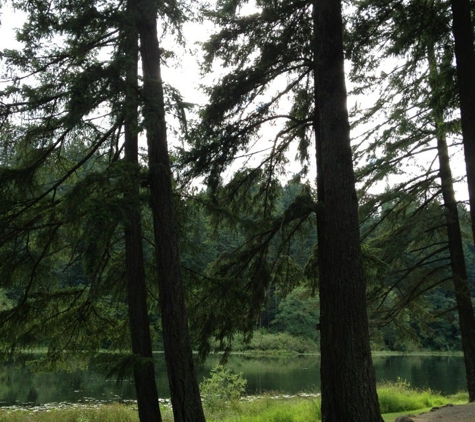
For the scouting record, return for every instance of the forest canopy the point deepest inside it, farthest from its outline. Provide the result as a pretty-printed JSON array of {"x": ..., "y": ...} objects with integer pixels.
[{"x": 315, "y": 192}]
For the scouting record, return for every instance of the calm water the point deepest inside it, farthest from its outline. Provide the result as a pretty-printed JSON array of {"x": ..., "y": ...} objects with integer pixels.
[{"x": 20, "y": 384}]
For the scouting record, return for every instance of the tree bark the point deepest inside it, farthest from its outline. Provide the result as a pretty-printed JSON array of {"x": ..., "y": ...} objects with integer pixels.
[
  {"x": 184, "y": 390},
  {"x": 465, "y": 58},
  {"x": 347, "y": 373},
  {"x": 144, "y": 374},
  {"x": 457, "y": 258}
]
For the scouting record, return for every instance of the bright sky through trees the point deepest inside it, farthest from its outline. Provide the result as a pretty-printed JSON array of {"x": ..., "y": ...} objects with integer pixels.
[{"x": 183, "y": 73}]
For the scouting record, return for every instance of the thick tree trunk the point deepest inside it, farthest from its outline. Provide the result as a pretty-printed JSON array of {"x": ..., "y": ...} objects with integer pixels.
[
  {"x": 465, "y": 57},
  {"x": 144, "y": 374},
  {"x": 347, "y": 373},
  {"x": 185, "y": 396},
  {"x": 459, "y": 271},
  {"x": 457, "y": 259}
]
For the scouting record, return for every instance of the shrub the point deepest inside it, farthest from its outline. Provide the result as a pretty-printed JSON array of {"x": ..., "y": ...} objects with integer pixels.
[{"x": 223, "y": 386}]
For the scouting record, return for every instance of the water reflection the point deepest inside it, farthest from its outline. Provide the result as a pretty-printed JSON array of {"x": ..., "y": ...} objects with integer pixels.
[{"x": 19, "y": 384}]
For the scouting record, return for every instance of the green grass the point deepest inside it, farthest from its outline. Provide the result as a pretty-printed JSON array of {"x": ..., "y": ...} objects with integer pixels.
[
  {"x": 395, "y": 399},
  {"x": 399, "y": 397},
  {"x": 101, "y": 413},
  {"x": 269, "y": 409}
]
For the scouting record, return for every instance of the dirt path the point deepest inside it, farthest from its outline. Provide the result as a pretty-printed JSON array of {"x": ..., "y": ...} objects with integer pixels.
[{"x": 449, "y": 413}]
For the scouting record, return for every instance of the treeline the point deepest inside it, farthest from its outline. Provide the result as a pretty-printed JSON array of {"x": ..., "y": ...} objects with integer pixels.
[
  {"x": 411, "y": 301},
  {"x": 410, "y": 294}
]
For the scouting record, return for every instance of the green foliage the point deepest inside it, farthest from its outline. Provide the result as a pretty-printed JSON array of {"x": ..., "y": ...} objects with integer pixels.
[
  {"x": 255, "y": 249},
  {"x": 406, "y": 263},
  {"x": 276, "y": 41},
  {"x": 102, "y": 413},
  {"x": 267, "y": 409},
  {"x": 394, "y": 397},
  {"x": 399, "y": 397},
  {"x": 416, "y": 105},
  {"x": 410, "y": 297},
  {"x": 5, "y": 302},
  {"x": 276, "y": 343},
  {"x": 222, "y": 387},
  {"x": 298, "y": 314}
]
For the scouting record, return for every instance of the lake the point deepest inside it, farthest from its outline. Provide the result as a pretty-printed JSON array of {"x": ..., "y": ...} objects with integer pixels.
[{"x": 21, "y": 384}]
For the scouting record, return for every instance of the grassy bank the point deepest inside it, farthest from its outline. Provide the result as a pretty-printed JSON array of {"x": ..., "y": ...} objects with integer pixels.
[
  {"x": 269, "y": 344},
  {"x": 266, "y": 343},
  {"x": 395, "y": 398}
]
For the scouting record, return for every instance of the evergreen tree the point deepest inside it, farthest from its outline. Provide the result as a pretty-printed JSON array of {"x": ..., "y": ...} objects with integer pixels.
[
  {"x": 462, "y": 27},
  {"x": 52, "y": 193},
  {"x": 347, "y": 373},
  {"x": 144, "y": 374},
  {"x": 69, "y": 84},
  {"x": 457, "y": 258},
  {"x": 273, "y": 45},
  {"x": 72, "y": 112},
  {"x": 184, "y": 388},
  {"x": 428, "y": 99}
]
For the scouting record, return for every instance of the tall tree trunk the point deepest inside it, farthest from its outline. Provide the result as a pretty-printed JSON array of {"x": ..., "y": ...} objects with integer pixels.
[
  {"x": 144, "y": 374},
  {"x": 347, "y": 373},
  {"x": 465, "y": 58},
  {"x": 184, "y": 390},
  {"x": 457, "y": 259}
]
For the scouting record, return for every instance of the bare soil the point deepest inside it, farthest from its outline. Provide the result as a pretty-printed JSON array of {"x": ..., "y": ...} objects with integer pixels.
[{"x": 448, "y": 413}]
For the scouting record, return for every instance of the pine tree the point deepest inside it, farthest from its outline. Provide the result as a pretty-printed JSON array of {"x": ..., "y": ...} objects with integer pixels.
[
  {"x": 426, "y": 99},
  {"x": 277, "y": 44},
  {"x": 184, "y": 388},
  {"x": 72, "y": 113},
  {"x": 144, "y": 374},
  {"x": 462, "y": 27},
  {"x": 347, "y": 373}
]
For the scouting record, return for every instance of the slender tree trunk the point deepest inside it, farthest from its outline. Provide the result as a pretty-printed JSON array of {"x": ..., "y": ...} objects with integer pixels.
[
  {"x": 144, "y": 374},
  {"x": 184, "y": 389},
  {"x": 347, "y": 372},
  {"x": 457, "y": 259},
  {"x": 465, "y": 57}
]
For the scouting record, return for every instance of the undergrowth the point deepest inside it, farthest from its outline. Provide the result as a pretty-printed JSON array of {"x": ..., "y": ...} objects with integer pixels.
[
  {"x": 394, "y": 397},
  {"x": 399, "y": 397}
]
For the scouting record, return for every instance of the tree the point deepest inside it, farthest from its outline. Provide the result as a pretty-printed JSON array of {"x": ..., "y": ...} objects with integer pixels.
[
  {"x": 347, "y": 373},
  {"x": 276, "y": 44},
  {"x": 63, "y": 102},
  {"x": 184, "y": 387},
  {"x": 54, "y": 199},
  {"x": 144, "y": 374},
  {"x": 427, "y": 100},
  {"x": 71, "y": 93},
  {"x": 462, "y": 28},
  {"x": 297, "y": 314},
  {"x": 457, "y": 258}
]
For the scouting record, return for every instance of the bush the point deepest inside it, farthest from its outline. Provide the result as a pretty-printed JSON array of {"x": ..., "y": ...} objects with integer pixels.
[{"x": 223, "y": 386}]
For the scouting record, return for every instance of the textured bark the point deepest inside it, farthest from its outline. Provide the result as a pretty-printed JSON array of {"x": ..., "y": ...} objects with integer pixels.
[
  {"x": 184, "y": 390},
  {"x": 465, "y": 57},
  {"x": 347, "y": 373},
  {"x": 459, "y": 271},
  {"x": 144, "y": 374},
  {"x": 457, "y": 259}
]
